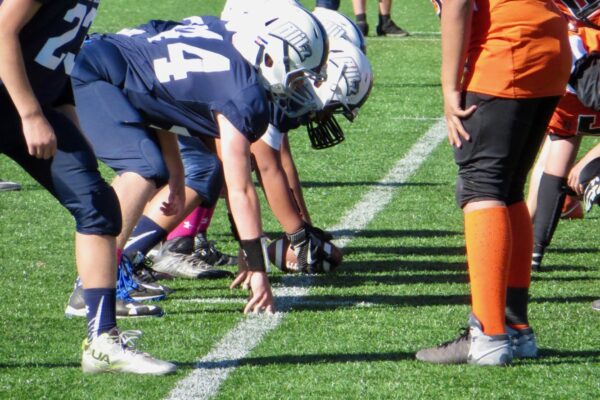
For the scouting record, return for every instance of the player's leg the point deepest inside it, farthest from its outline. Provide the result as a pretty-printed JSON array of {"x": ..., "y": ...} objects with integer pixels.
[
  {"x": 204, "y": 181},
  {"x": 519, "y": 274},
  {"x": 487, "y": 166},
  {"x": 386, "y": 26},
  {"x": 551, "y": 193},
  {"x": 536, "y": 176},
  {"x": 73, "y": 178},
  {"x": 360, "y": 12},
  {"x": 119, "y": 137}
]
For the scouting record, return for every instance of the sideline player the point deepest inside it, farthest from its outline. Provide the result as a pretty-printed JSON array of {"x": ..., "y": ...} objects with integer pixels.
[
  {"x": 190, "y": 78},
  {"x": 497, "y": 113},
  {"x": 39, "y": 42},
  {"x": 576, "y": 115}
]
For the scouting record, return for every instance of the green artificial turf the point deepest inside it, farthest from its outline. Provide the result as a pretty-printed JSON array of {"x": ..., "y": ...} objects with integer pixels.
[{"x": 403, "y": 284}]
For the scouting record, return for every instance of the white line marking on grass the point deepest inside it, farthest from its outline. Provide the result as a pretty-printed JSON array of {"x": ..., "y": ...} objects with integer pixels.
[
  {"x": 303, "y": 302},
  {"x": 212, "y": 370}
]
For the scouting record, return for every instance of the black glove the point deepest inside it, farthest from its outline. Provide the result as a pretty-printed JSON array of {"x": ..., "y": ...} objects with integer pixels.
[{"x": 308, "y": 248}]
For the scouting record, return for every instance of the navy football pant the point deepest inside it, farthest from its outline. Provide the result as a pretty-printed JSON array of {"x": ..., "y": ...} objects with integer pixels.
[
  {"x": 203, "y": 170},
  {"x": 506, "y": 135},
  {"x": 114, "y": 127},
  {"x": 119, "y": 133},
  {"x": 71, "y": 176}
]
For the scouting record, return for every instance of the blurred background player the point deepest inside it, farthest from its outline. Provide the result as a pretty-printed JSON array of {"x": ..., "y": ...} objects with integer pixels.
[
  {"x": 577, "y": 114},
  {"x": 40, "y": 40},
  {"x": 496, "y": 114},
  {"x": 385, "y": 25}
]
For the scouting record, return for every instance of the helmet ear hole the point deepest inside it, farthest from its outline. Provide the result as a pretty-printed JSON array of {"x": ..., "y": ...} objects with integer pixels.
[{"x": 268, "y": 61}]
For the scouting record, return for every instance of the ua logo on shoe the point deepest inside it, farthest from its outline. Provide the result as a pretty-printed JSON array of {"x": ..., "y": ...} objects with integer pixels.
[{"x": 100, "y": 357}]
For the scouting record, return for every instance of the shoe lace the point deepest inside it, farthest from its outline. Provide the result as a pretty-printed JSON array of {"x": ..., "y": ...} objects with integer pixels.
[
  {"x": 464, "y": 334},
  {"x": 206, "y": 251},
  {"x": 125, "y": 280},
  {"x": 128, "y": 339}
]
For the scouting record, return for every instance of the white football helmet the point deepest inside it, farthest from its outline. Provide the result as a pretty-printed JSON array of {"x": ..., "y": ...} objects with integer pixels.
[
  {"x": 347, "y": 87},
  {"x": 338, "y": 25},
  {"x": 287, "y": 44},
  {"x": 349, "y": 78}
]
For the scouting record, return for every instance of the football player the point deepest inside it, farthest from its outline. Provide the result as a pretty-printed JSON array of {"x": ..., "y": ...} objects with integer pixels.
[
  {"x": 496, "y": 114},
  {"x": 39, "y": 43},
  {"x": 189, "y": 78},
  {"x": 577, "y": 115},
  {"x": 346, "y": 89}
]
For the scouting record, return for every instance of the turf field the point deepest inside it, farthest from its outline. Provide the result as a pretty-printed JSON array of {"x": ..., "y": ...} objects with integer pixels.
[{"x": 351, "y": 335}]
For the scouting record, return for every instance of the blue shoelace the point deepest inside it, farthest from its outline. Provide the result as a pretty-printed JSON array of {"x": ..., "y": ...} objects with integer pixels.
[{"x": 125, "y": 281}]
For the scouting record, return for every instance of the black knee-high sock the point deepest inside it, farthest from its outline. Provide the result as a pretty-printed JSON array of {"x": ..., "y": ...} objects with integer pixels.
[{"x": 550, "y": 199}]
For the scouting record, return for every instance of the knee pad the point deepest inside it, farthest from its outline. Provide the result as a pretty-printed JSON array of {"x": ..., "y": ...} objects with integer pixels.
[
  {"x": 98, "y": 212},
  {"x": 155, "y": 168},
  {"x": 205, "y": 178}
]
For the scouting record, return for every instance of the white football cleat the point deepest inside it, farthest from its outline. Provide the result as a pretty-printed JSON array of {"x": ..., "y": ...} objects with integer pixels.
[{"x": 115, "y": 351}]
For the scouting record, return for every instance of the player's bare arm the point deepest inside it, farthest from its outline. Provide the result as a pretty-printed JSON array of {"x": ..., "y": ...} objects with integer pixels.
[
  {"x": 243, "y": 200},
  {"x": 39, "y": 135},
  {"x": 172, "y": 158},
  {"x": 456, "y": 22}
]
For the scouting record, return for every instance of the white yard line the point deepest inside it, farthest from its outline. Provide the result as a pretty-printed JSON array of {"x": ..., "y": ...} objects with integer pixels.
[
  {"x": 304, "y": 302},
  {"x": 212, "y": 370}
]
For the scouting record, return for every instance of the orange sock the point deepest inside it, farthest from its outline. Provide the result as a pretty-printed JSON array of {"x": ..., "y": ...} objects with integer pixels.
[
  {"x": 487, "y": 235},
  {"x": 519, "y": 274}
]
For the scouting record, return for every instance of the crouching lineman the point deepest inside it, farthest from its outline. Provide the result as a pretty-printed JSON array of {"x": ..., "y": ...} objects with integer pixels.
[
  {"x": 38, "y": 47},
  {"x": 190, "y": 78},
  {"x": 347, "y": 87}
]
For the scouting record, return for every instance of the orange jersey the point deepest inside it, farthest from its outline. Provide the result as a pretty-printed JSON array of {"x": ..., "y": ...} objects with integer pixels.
[
  {"x": 573, "y": 118},
  {"x": 518, "y": 49}
]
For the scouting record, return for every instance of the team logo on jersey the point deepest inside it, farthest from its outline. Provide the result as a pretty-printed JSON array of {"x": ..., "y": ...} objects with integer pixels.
[
  {"x": 588, "y": 125},
  {"x": 297, "y": 39}
]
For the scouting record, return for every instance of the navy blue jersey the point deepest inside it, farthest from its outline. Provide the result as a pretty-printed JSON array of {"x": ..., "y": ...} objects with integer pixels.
[
  {"x": 284, "y": 123},
  {"x": 182, "y": 73},
  {"x": 49, "y": 42}
]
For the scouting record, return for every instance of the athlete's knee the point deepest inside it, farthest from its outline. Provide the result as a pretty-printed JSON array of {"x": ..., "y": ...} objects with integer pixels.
[
  {"x": 97, "y": 213},
  {"x": 205, "y": 178}
]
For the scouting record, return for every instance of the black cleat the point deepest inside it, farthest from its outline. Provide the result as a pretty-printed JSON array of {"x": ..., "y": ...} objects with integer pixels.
[{"x": 389, "y": 28}]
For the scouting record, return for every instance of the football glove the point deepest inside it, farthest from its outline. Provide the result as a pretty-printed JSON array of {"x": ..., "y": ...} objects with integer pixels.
[
  {"x": 591, "y": 195},
  {"x": 308, "y": 248}
]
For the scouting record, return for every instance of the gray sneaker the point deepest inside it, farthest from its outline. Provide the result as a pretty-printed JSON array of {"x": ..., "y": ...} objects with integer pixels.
[
  {"x": 173, "y": 259},
  {"x": 523, "y": 342},
  {"x": 472, "y": 346},
  {"x": 596, "y": 305},
  {"x": 452, "y": 352},
  {"x": 124, "y": 309},
  {"x": 6, "y": 186},
  {"x": 488, "y": 350}
]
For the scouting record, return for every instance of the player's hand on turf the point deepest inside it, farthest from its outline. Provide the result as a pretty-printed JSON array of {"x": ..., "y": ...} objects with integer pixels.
[
  {"x": 242, "y": 279},
  {"x": 261, "y": 299},
  {"x": 39, "y": 136},
  {"x": 454, "y": 115}
]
